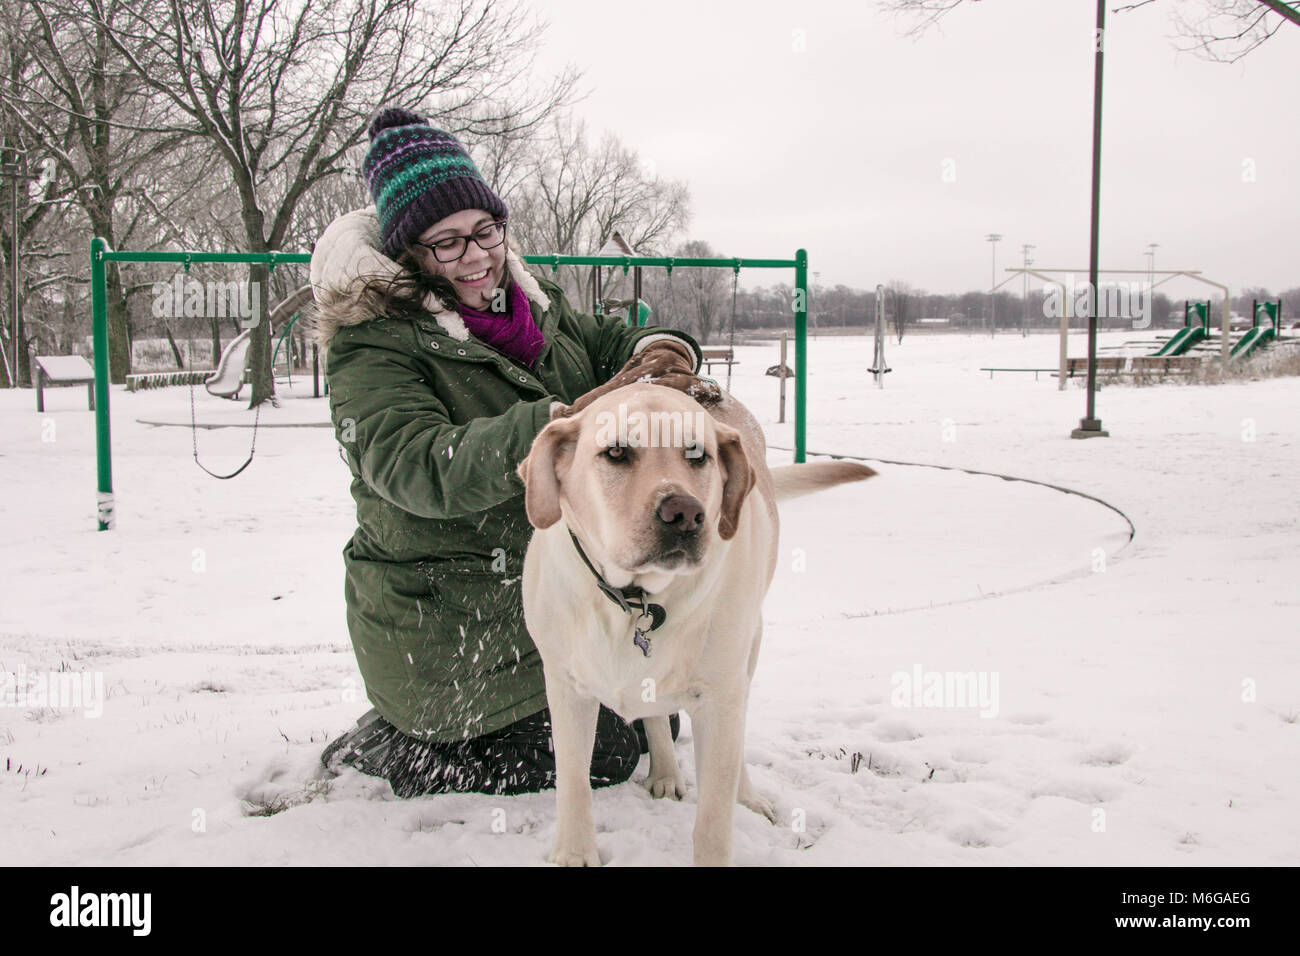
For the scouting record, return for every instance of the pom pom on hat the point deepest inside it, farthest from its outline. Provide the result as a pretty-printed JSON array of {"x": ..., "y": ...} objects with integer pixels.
[{"x": 394, "y": 116}]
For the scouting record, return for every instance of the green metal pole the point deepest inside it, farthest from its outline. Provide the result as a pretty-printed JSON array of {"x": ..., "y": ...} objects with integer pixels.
[
  {"x": 99, "y": 327},
  {"x": 800, "y": 353}
]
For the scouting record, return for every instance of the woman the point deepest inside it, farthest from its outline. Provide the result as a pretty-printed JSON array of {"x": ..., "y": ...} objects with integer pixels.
[{"x": 446, "y": 357}]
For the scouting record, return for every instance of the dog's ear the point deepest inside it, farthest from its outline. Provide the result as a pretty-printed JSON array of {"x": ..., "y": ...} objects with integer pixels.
[
  {"x": 541, "y": 483},
  {"x": 740, "y": 479}
]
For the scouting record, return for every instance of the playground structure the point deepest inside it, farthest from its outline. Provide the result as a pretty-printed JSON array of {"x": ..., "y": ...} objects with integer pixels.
[
  {"x": 1260, "y": 334},
  {"x": 1190, "y": 333},
  {"x": 100, "y": 254},
  {"x": 878, "y": 364},
  {"x": 1045, "y": 276},
  {"x": 232, "y": 369},
  {"x": 1190, "y": 339},
  {"x": 1195, "y": 334}
]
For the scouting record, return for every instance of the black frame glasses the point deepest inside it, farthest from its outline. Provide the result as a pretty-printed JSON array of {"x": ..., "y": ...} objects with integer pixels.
[{"x": 480, "y": 236}]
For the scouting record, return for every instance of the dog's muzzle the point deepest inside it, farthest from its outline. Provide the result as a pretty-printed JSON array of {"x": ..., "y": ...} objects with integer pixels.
[{"x": 679, "y": 525}]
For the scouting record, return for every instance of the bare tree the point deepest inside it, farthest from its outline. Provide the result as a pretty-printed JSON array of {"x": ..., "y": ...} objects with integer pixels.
[
  {"x": 75, "y": 101},
  {"x": 696, "y": 300},
  {"x": 1226, "y": 30},
  {"x": 573, "y": 196},
  {"x": 901, "y": 303},
  {"x": 1223, "y": 30},
  {"x": 282, "y": 91}
]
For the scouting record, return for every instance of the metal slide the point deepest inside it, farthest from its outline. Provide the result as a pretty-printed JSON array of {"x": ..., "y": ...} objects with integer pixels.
[
  {"x": 1253, "y": 338},
  {"x": 1183, "y": 340}
]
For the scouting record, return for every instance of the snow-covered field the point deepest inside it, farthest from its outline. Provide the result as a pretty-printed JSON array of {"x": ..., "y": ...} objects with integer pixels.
[{"x": 1142, "y": 699}]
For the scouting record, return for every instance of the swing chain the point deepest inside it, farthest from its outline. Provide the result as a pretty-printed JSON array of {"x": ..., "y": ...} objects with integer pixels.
[
  {"x": 194, "y": 436},
  {"x": 735, "y": 285}
]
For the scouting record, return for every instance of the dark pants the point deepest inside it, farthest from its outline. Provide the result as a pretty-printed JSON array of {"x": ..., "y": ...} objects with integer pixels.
[{"x": 516, "y": 759}]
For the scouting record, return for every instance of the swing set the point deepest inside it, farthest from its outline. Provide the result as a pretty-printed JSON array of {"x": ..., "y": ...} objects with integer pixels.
[{"x": 100, "y": 254}]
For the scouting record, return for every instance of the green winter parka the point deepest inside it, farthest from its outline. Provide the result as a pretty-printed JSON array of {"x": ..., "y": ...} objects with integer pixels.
[{"x": 433, "y": 423}]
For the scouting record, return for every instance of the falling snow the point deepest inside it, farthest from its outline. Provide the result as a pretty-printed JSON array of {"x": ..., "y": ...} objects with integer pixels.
[{"x": 1156, "y": 682}]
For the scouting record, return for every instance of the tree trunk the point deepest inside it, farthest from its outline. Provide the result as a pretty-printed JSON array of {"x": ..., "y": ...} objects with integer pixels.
[
  {"x": 176, "y": 352},
  {"x": 259, "y": 349},
  {"x": 216, "y": 340}
]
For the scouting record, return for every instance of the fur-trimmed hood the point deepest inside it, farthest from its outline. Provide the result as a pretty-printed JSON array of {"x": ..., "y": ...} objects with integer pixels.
[{"x": 347, "y": 255}]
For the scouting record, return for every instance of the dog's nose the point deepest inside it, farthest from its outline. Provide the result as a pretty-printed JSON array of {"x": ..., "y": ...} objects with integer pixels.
[{"x": 683, "y": 512}]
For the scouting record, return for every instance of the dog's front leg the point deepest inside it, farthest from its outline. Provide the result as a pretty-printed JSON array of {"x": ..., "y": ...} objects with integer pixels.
[
  {"x": 665, "y": 779},
  {"x": 573, "y": 731},
  {"x": 719, "y": 727}
]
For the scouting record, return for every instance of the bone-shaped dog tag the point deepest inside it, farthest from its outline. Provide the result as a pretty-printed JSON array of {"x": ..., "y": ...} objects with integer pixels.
[{"x": 640, "y": 635}]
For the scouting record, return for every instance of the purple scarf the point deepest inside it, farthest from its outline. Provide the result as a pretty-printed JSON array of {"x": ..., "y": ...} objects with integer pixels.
[{"x": 515, "y": 333}]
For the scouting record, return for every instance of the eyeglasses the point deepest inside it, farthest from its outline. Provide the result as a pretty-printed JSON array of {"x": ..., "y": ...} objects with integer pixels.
[{"x": 452, "y": 248}]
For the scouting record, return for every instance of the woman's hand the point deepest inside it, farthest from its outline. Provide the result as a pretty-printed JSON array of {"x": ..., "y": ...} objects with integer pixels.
[{"x": 659, "y": 363}]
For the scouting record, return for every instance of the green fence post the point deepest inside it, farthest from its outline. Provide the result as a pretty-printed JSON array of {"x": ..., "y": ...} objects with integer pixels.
[
  {"x": 99, "y": 328},
  {"x": 800, "y": 353}
]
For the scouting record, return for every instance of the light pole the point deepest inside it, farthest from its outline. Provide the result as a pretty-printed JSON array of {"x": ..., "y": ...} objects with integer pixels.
[
  {"x": 1024, "y": 250},
  {"x": 993, "y": 238},
  {"x": 817, "y": 277},
  {"x": 1151, "y": 275},
  {"x": 1090, "y": 424}
]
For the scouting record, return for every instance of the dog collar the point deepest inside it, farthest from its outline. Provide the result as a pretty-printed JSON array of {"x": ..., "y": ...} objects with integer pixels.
[{"x": 631, "y": 599}]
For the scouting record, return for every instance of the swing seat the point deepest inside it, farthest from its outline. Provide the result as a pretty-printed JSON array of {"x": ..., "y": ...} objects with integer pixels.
[{"x": 232, "y": 370}]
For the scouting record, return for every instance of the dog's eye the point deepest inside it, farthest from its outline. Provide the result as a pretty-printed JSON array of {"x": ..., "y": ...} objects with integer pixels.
[
  {"x": 615, "y": 453},
  {"x": 696, "y": 454}
]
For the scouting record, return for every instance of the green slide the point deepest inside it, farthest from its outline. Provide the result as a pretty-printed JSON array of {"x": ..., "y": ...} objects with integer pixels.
[
  {"x": 1255, "y": 337},
  {"x": 1183, "y": 340}
]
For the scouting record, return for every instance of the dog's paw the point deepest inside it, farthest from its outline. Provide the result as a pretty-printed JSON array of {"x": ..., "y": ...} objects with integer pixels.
[
  {"x": 667, "y": 785},
  {"x": 574, "y": 854},
  {"x": 758, "y": 803}
]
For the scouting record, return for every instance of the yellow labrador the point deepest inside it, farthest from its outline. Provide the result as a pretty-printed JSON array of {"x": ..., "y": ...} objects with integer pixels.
[{"x": 643, "y": 588}]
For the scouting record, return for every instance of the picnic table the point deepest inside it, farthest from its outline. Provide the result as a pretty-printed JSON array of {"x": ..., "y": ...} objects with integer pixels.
[{"x": 59, "y": 370}]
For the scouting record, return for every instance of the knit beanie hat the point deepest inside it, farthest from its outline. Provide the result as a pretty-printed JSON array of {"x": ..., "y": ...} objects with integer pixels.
[{"x": 418, "y": 176}]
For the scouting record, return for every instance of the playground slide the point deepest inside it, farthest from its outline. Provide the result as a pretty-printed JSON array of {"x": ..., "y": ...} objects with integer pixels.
[
  {"x": 1255, "y": 337},
  {"x": 1183, "y": 340},
  {"x": 227, "y": 380}
]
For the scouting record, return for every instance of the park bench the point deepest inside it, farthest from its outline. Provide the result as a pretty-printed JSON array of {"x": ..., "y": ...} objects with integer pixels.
[
  {"x": 717, "y": 356},
  {"x": 1111, "y": 365},
  {"x": 1034, "y": 370},
  {"x": 57, "y": 370},
  {"x": 1162, "y": 365}
]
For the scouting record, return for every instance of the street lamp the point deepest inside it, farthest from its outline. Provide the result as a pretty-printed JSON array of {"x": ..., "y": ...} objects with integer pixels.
[
  {"x": 1090, "y": 424},
  {"x": 1151, "y": 277},
  {"x": 1024, "y": 250},
  {"x": 993, "y": 238}
]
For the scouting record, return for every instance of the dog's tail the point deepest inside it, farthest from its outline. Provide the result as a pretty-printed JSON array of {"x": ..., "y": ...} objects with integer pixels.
[{"x": 791, "y": 481}]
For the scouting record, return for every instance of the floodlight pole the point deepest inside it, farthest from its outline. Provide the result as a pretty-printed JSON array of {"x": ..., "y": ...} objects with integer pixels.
[
  {"x": 993, "y": 238},
  {"x": 1090, "y": 425}
]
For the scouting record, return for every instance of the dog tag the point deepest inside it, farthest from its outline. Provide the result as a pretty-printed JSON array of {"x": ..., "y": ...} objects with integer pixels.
[{"x": 646, "y": 622}]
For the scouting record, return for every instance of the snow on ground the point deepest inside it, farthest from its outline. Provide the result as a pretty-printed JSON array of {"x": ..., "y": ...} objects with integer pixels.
[{"x": 1143, "y": 698}]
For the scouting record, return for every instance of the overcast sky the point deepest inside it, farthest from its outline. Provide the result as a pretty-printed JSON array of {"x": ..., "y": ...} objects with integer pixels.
[{"x": 842, "y": 148}]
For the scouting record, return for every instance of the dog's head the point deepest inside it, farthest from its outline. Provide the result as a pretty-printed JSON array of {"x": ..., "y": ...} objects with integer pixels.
[{"x": 644, "y": 475}]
